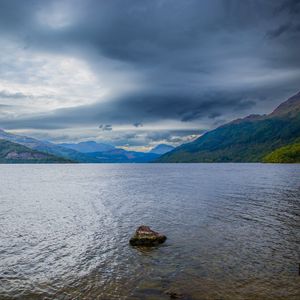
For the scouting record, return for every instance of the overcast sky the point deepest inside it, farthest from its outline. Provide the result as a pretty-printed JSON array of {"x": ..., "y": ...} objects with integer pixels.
[{"x": 140, "y": 72}]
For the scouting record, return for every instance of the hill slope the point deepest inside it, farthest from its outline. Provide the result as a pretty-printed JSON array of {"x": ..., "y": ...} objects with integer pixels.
[
  {"x": 244, "y": 140},
  {"x": 15, "y": 153},
  {"x": 286, "y": 154},
  {"x": 161, "y": 149}
]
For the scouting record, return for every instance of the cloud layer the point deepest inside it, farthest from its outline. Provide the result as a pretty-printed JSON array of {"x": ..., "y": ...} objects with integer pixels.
[{"x": 130, "y": 71}]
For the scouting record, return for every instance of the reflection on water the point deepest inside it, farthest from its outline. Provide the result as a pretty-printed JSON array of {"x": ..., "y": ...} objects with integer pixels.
[{"x": 233, "y": 231}]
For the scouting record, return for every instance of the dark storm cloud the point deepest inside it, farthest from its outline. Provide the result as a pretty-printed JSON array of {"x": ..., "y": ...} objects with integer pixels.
[
  {"x": 288, "y": 28},
  {"x": 279, "y": 31},
  {"x": 193, "y": 60},
  {"x": 149, "y": 108},
  {"x": 289, "y": 11},
  {"x": 291, "y": 6}
]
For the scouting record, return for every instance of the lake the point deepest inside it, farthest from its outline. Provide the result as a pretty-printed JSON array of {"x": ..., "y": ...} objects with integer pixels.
[{"x": 233, "y": 231}]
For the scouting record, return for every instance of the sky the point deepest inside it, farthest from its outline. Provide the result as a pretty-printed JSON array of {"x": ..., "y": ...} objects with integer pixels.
[{"x": 136, "y": 73}]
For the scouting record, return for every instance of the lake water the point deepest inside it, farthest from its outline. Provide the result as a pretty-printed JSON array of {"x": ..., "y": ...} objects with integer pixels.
[{"x": 233, "y": 231}]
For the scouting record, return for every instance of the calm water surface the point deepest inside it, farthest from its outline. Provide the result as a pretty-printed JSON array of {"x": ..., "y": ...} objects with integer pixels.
[{"x": 233, "y": 231}]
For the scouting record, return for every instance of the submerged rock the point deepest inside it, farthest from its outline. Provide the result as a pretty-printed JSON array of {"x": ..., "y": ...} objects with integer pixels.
[{"x": 144, "y": 236}]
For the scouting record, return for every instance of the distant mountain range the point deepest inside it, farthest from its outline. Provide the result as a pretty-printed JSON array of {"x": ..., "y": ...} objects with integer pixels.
[
  {"x": 118, "y": 155},
  {"x": 16, "y": 153},
  {"x": 88, "y": 147},
  {"x": 106, "y": 153},
  {"x": 34, "y": 151},
  {"x": 46, "y": 147},
  {"x": 257, "y": 138}
]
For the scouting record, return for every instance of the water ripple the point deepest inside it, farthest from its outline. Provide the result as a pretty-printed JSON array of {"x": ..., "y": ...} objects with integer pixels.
[{"x": 233, "y": 231}]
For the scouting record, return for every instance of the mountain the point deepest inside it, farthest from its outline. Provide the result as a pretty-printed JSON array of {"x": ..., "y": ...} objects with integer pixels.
[
  {"x": 291, "y": 107},
  {"x": 113, "y": 155},
  {"x": 123, "y": 156},
  {"x": 15, "y": 153},
  {"x": 106, "y": 153},
  {"x": 244, "y": 140},
  {"x": 88, "y": 147},
  {"x": 46, "y": 147},
  {"x": 161, "y": 149}
]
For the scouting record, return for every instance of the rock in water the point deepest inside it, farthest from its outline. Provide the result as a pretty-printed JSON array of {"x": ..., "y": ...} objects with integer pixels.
[{"x": 144, "y": 236}]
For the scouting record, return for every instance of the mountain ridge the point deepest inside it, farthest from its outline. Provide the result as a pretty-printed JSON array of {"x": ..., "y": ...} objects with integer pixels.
[
  {"x": 161, "y": 149},
  {"x": 15, "y": 153},
  {"x": 246, "y": 139},
  {"x": 46, "y": 147},
  {"x": 88, "y": 146},
  {"x": 112, "y": 155}
]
